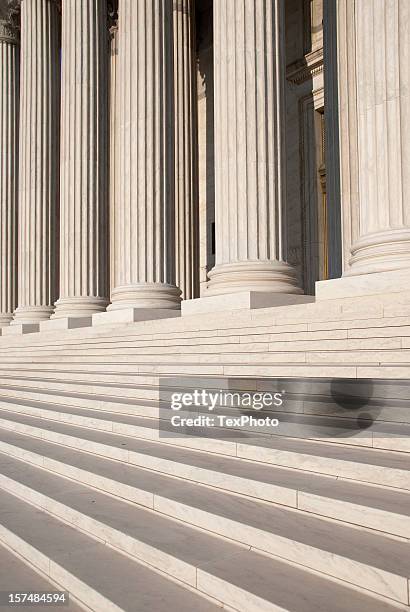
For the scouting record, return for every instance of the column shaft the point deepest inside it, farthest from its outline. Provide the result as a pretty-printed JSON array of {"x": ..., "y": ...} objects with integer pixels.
[
  {"x": 9, "y": 100},
  {"x": 38, "y": 160},
  {"x": 382, "y": 73},
  {"x": 84, "y": 159},
  {"x": 250, "y": 189},
  {"x": 113, "y": 146},
  {"x": 186, "y": 150},
  {"x": 144, "y": 210}
]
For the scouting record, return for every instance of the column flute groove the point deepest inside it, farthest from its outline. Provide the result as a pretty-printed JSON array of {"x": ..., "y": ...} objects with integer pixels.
[
  {"x": 382, "y": 72},
  {"x": 113, "y": 145},
  {"x": 250, "y": 188},
  {"x": 144, "y": 210},
  {"x": 84, "y": 160},
  {"x": 9, "y": 120},
  {"x": 186, "y": 150},
  {"x": 38, "y": 161}
]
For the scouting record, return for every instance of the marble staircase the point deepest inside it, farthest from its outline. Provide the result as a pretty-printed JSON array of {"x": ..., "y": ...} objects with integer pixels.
[{"x": 96, "y": 502}]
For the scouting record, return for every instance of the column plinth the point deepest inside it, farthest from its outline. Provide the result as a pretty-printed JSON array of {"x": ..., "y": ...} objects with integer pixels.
[
  {"x": 9, "y": 100},
  {"x": 38, "y": 161},
  {"x": 84, "y": 160},
  {"x": 144, "y": 225}
]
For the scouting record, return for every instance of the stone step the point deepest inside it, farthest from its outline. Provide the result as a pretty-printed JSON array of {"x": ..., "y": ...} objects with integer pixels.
[
  {"x": 384, "y": 468},
  {"x": 385, "y": 371},
  {"x": 234, "y": 362},
  {"x": 139, "y": 418},
  {"x": 365, "y": 322},
  {"x": 95, "y": 574},
  {"x": 248, "y": 582},
  {"x": 198, "y": 345},
  {"x": 31, "y": 372},
  {"x": 315, "y": 398},
  {"x": 290, "y": 370},
  {"x": 315, "y": 352},
  {"x": 387, "y": 511},
  {"x": 386, "y": 404},
  {"x": 16, "y": 576},
  {"x": 364, "y": 559}
]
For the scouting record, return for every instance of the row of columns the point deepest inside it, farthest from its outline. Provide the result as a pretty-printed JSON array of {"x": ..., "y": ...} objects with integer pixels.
[{"x": 155, "y": 153}]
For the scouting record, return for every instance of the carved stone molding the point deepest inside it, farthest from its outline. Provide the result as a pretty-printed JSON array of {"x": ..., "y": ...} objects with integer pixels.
[
  {"x": 8, "y": 33},
  {"x": 10, "y": 22},
  {"x": 307, "y": 68}
]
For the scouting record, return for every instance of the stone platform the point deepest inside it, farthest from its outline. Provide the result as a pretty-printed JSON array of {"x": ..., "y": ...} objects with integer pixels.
[{"x": 262, "y": 523}]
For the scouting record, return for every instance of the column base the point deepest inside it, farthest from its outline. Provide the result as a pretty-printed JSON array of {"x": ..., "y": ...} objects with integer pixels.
[
  {"x": 79, "y": 307},
  {"x": 386, "y": 251},
  {"x": 19, "y": 329},
  {"x": 65, "y": 323},
  {"x": 364, "y": 285},
  {"x": 5, "y": 319},
  {"x": 246, "y": 300},
  {"x": 146, "y": 296},
  {"x": 274, "y": 276},
  {"x": 133, "y": 315},
  {"x": 27, "y": 315}
]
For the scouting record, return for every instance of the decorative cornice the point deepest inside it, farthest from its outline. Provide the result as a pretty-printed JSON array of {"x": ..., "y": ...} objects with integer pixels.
[
  {"x": 302, "y": 70},
  {"x": 9, "y": 33},
  {"x": 10, "y": 22}
]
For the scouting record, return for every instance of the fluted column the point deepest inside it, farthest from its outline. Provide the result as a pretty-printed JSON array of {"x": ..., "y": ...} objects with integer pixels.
[
  {"x": 9, "y": 100},
  {"x": 250, "y": 190},
  {"x": 186, "y": 147},
  {"x": 381, "y": 238},
  {"x": 113, "y": 144},
  {"x": 84, "y": 159},
  {"x": 144, "y": 210},
  {"x": 38, "y": 160}
]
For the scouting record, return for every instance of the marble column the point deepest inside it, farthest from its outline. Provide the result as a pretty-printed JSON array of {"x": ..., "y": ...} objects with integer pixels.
[
  {"x": 84, "y": 159},
  {"x": 113, "y": 144},
  {"x": 250, "y": 188},
  {"x": 186, "y": 150},
  {"x": 381, "y": 240},
  {"x": 346, "y": 139},
  {"x": 144, "y": 209},
  {"x": 9, "y": 101},
  {"x": 38, "y": 161}
]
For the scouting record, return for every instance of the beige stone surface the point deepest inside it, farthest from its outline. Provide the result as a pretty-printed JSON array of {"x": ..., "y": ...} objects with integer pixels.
[
  {"x": 247, "y": 520},
  {"x": 186, "y": 150},
  {"x": 83, "y": 160},
  {"x": 145, "y": 269},
  {"x": 250, "y": 175},
  {"x": 38, "y": 190},
  {"x": 9, "y": 132}
]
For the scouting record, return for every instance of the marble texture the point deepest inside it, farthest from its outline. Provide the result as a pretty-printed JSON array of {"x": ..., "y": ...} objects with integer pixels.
[
  {"x": 250, "y": 185},
  {"x": 38, "y": 190},
  {"x": 144, "y": 223},
  {"x": 186, "y": 150},
  {"x": 83, "y": 160},
  {"x": 9, "y": 126},
  {"x": 379, "y": 80},
  {"x": 113, "y": 144}
]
